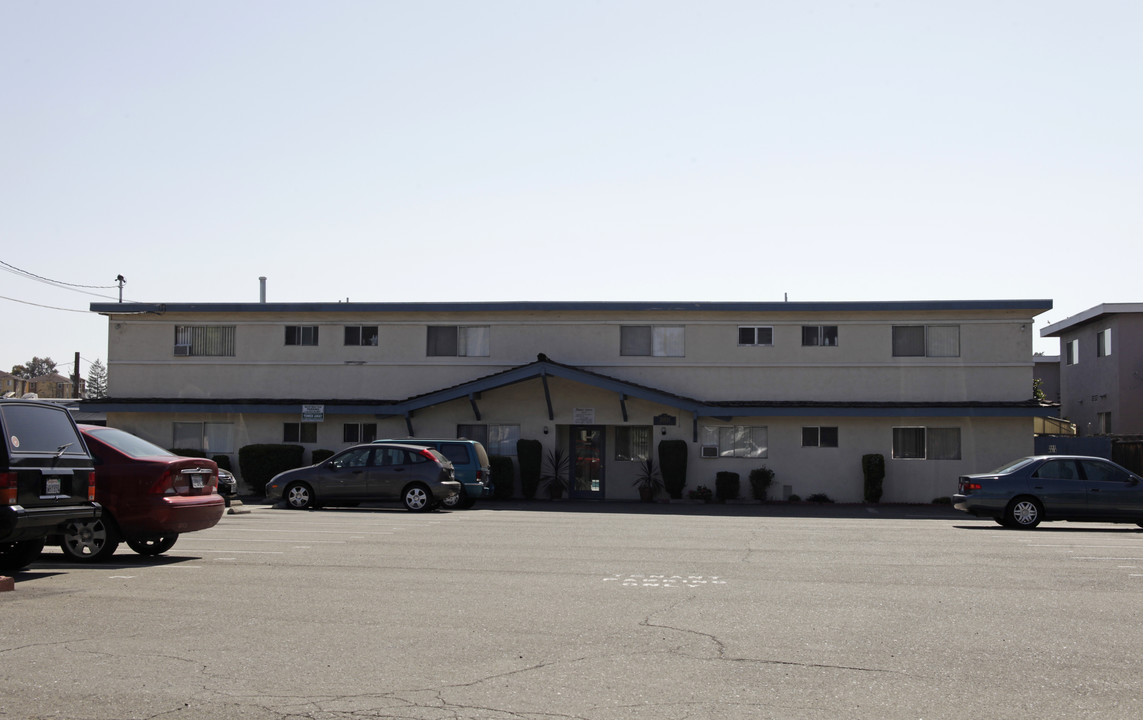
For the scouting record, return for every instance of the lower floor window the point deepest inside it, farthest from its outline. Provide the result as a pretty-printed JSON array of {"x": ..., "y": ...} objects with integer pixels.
[
  {"x": 633, "y": 443},
  {"x": 737, "y": 441},
  {"x": 819, "y": 437},
  {"x": 299, "y": 432},
  {"x": 213, "y": 438},
  {"x": 926, "y": 443},
  {"x": 359, "y": 432},
  {"x": 496, "y": 439}
]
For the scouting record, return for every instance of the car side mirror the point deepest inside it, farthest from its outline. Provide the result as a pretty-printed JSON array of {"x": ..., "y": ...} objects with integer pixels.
[{"x": 1133, "y": 481}]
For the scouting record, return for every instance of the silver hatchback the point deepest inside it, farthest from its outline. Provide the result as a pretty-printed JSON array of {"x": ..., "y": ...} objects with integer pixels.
[{"x": 419, "y": 477}]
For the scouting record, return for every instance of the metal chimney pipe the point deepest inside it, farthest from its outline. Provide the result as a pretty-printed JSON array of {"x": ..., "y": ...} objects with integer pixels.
[{"x": 262, "y": 289}]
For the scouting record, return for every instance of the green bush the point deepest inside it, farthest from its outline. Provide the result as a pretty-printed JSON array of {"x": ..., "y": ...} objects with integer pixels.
[
  {"x": 318, "y": 455},
  {"x": 673, "y": 466},
  {"x": 726, "y": 485},
  {"x": 222, "y": 460},
  {"x": 503, "y": 477},
  {"x": 260, "y": 463},
  {"x": 819, "y": 498},
  {"x": 795, "y": 498},
  {"x": 873, "y": 467},
  {"x": 761, "y": 478},
  {"x": 530, "y": 455}
]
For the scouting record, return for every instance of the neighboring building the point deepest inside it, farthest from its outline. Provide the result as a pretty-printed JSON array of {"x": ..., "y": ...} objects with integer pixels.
[
  {"x": 12, "y": 386},
  {"x": 1101, "y": 369},
  {"x": 1047, "y": 371},
  {"x": 806, "y": 389},
  {"x": 53, "y": 385}
]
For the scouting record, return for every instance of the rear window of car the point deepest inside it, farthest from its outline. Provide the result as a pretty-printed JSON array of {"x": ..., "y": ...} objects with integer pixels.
[
  {"x": 129, "y": 444},
  {"x": 456, "y": 452},
  {"x": 32, "y": 429},
  {"x": 1013, "y": 466}
]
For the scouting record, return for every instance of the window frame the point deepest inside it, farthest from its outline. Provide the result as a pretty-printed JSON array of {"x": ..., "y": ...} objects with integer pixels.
[
  {"x": 224, "y": 433},
  {"x": 630, "y": 446},
  {"x": 304, "y": 433},
  {"x": 1103, "y": 343},
  {"x": 206, "y": 340},
  {"x": 359, "y": 335},
  {"x": 926, "y": 451},
  {"x": 301, "y": 336},
  {"x": 821, "y": 335},
  {"x": 820, "y": 439},
  {"x": 660, "y": 340},
  {"x": 929, "y": 344},
  {"x": 755, "y": 332},
  {"x": 364, "y": 432},
  {"x": 480, "y": 345},
  {"x": 1071, "y": 352},
  {"x": 726, "y": 439}
]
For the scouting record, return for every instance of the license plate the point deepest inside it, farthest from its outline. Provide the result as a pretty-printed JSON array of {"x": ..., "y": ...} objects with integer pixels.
[
  {"x": 52, "y": 486},
  {"x": 198, "y": 482}
]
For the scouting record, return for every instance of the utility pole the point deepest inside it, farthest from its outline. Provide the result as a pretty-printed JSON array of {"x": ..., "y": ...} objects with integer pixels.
[
  {"x": 75, "y": 389},
  {"x": 120, "y": 279}
]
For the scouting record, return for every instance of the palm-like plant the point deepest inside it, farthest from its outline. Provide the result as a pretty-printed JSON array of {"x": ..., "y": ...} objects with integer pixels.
[{"x": 555, "y": 479}]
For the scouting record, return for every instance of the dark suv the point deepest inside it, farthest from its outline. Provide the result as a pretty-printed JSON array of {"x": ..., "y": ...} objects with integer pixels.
[{"x": 46, "y": 478}]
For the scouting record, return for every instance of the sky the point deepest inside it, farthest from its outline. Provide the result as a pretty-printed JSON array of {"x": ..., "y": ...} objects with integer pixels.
[{"x": 476, "y": 150}]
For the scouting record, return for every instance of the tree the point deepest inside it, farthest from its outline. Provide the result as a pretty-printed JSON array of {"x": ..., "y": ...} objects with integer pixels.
[
  {"x": 97, "y": 380},
  {"x": 35, "y": 367},
  {"x": 1038, "y": 390}
]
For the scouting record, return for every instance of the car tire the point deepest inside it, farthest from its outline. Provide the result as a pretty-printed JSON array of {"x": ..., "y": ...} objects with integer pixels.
[
  {"x": 1023, "y": 513},
  {"x": 19, "y": 555},
  {"x": 468, "y": 502},
  {"x": 90, "y": 540},
  {"x": 456, "y": 502},
  {"x": 153, "y": 546},
  {"x": 417, "y": 498},
  {"x": 300, "y": 496}
]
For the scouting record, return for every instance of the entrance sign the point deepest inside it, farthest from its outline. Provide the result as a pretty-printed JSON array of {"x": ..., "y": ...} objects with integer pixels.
[
  {"x": 583, "y": 416},
  {"x": 313, "y": 413}
]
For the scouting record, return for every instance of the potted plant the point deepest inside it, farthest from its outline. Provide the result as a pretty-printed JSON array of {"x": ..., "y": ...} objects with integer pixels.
[
  {"x": 555, "y": 481},
  {"x": 649, "y": 482},
  {"x": 702, "y": 492}
]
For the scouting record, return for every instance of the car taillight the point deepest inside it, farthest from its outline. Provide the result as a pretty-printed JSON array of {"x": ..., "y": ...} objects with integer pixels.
[
  {"x": 967, "y": 487},
  {"x": 8, "y": 488},
  {"x": 91, "y": 485},
  {"x": 480, "y": 475},
  {"x": 428, "y": 454}
]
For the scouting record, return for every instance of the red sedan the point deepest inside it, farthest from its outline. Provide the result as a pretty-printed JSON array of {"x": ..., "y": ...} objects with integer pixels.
[{"x": 149, "y": 497}]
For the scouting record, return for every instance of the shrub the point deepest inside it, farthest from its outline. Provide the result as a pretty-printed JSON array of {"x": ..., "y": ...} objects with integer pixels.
[
  {"x": 223, "y": 461},
  {"x": 819, "y": 498},
  {"x": 873, "y": 468},
  {"x": 795, "y": 498},
  {"x": 760, "y": 480},
  {"x": 503, "y": 476},
  {"x": 318, "y": 455},
  {"x": 530, "y": 455},
  {"x": 673, "y": 466},
  {"x": 726, "y": 484},
  {"x": 260, "y": 463},
  {"x": 702, "y": 492}
]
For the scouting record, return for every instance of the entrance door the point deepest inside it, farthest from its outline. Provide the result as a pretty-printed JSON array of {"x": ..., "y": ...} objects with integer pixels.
[{"x": 587, "y": 462}]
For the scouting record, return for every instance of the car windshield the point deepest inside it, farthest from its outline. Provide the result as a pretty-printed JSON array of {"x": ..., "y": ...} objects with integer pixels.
[
  {"x": 128, "y": 444},
  {"x": 1013, "y": 466}
]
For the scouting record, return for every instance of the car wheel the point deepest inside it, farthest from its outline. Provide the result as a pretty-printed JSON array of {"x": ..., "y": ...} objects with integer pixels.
[
  {"x": 299, "y": 496},
  {"x": 1024, "y": 513},
  {"x": 19, "y": 555},
  {"x": 90, "y": 540},
  {"x": 153, "y": 546},
  {"x": 456, "y": 502},
  {"x": 417, "y": 498}
]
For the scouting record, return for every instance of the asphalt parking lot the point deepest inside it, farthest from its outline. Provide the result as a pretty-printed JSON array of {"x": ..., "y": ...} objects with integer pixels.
[{"x": 580, "y": 611}]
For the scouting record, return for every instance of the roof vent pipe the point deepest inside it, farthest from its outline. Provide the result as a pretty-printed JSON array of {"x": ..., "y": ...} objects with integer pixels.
[{"x": 262, "y": 289}]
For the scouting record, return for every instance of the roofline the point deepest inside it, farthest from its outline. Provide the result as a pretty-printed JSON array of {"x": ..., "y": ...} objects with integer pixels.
[
  {"x": 1057, "y": 329},
  {"x": 578, "y": 306}
]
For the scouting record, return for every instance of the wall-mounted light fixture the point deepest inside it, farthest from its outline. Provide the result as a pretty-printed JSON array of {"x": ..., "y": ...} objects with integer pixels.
[{"x": 545, "y": 429}]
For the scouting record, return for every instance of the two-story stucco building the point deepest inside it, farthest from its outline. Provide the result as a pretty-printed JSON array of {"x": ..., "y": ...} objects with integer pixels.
[
  {"x": 1101, "y": 368},
  {"x": 939, "y": 388}
]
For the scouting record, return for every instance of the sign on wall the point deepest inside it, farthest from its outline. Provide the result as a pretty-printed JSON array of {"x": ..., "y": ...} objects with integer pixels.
[
  {"x": 583, "y": 416},
  {"x": 313, "y": 413}
]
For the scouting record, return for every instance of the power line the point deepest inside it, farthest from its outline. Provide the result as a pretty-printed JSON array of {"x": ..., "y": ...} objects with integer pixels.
[
  {"x": 54, "y": 282},
  {"x": 49, "y": 307}
]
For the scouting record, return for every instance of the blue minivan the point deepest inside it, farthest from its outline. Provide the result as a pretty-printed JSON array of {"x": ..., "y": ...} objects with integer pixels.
[{"x": 469, "y": 462}]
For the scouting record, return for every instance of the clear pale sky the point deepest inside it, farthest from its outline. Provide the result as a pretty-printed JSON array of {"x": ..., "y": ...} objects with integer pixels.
[{"x": 482, "y": 150}]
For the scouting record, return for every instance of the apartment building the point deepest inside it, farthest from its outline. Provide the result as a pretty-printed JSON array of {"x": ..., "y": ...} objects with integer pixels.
[
  {"x": 1101, "y": 368},
  {"x": 939, "y": 388}
]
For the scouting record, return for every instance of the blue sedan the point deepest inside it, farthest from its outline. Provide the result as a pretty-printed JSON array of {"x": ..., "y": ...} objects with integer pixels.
[{"x": 1031, "y": 490}]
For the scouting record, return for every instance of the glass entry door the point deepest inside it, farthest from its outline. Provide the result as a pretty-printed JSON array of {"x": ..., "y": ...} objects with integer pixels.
[{"x": 586, "y": 462}]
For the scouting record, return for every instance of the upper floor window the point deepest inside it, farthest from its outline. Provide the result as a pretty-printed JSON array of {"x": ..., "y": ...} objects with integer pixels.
[
  {"x": 458, "y": 341},
  {"x": 1071, "y": 352},
  {"x": 360, "y": 334},
  {"x": 301, "y": 335},
  {"x": 654, "y": 340},
  {"x": 926, "y": 341},
  {"x": 204, "y": 340},
  {"x": 1103, "y": 343},
  {"x": 755, "y": 335},
  {"x": 824, "y": 335}
]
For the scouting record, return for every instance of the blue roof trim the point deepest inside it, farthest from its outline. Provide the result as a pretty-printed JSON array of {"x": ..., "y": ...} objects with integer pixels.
[{"x": 548, "y": 306}]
